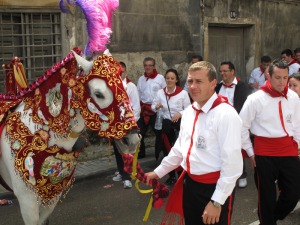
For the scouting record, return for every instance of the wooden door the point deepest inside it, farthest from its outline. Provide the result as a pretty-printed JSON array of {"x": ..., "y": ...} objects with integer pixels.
[{"x": 227, "y": 44}]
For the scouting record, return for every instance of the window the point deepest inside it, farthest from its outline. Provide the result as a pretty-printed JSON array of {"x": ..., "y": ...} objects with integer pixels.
[{"x": 34, "y": 37}]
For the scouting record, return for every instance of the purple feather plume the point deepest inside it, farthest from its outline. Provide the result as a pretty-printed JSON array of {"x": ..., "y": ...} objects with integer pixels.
[{"x": 98, "y": 14}]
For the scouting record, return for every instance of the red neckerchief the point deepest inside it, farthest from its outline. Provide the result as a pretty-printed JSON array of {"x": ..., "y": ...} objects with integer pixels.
[
  {"x": 292, "y": 62},
  {"x": 152, "y": 75},
  {"x": 177, "y": 91},
  {"x": 273, "y": 93},
  {"x": 262, "y": 70},
  {"x": 174, "y": 205},
  {"x": 230, "y": 85},
  {"x": 127, "y": 80}
]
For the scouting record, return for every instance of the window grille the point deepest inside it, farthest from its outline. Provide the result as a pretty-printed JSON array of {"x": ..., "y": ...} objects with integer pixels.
[{"x": 34, "y": 37}]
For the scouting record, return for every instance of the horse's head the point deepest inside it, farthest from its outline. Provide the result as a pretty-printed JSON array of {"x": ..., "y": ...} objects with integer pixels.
[{"x": 104, "y": 103}]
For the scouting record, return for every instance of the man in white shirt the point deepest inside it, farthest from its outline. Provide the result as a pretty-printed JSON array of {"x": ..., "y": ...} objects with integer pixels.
[
  {"x": 272, "y": 115},
  {"x": 257, "y": 76},
  {"x": 209, "y": 150},
  {"x": 133, "y": 95},
  {"x": 148, "y": 85},
  {"x": 236, "y": 91},
  {"x": 287, "y": 56}
]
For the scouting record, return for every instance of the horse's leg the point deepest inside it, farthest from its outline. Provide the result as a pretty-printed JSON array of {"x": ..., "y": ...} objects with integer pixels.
[
  {"x": 29, "y": 207},
  {"x": 45, "y": 212}
]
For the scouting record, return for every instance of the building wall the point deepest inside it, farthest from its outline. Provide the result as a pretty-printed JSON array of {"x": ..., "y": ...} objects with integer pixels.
[{"x": 172, "y": 30}]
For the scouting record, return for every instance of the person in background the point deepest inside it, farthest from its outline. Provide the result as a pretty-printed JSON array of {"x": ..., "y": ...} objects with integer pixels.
[
  {"x": 287, "y": 56},
  {"x": 132, "y": 92},
  {"x": 172, "y": 100},
  {"x": 236, "y": 92},
  {"x": 272, "y": 115},
  {"x": 297, "y": 55},
  {"x": 208, "y": 149},
  {"x": 148, "y": 85},
  {"x": 195, "y": 58},
  {"x": 294, "y": 84},
  {"x": 257, "y": 76}
]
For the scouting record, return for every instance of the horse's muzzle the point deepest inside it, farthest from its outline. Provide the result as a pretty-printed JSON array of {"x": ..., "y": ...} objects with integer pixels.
[{"x": 129, "y": 143}]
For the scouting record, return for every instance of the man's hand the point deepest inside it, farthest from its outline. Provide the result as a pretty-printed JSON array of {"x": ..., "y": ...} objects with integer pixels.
[
  {"x": 253, "y": 163},
  {"x": 211, "y": 214},
  {"x": 150, "y": 176}
]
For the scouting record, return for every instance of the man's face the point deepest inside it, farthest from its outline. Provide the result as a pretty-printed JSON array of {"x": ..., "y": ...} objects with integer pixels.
[
  {"x": 200, "y": 88},
  {"x": 265, "y": 65},
  {"x": 149, "y": 67},
  {"x": 297, "y": 55},
  {"x": 194, "y": 60},
  {"x": 227, "y": 75},
  {"x": 286, "y": 58},
  {"x": 124, "y": 73},
  {"x": 279, "y": 79}
]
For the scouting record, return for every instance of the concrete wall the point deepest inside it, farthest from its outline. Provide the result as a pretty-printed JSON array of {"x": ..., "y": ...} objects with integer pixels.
[{"x": 172, "y": 30}]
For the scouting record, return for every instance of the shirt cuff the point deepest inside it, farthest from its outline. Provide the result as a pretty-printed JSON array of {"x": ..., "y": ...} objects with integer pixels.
[
  {"x": 250, "y": 152},
  {"x": 219, "y": 197}
]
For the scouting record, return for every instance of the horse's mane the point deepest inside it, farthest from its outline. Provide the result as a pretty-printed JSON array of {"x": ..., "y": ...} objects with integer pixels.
[{"x": 42, "y": 78}]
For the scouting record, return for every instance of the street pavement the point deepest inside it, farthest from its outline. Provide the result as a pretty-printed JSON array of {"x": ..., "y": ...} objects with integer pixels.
[{"x": 245, "y": 209}]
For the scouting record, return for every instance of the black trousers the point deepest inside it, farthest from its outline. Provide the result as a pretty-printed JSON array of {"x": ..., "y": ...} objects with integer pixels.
[
  {"x": 284, "y": 170},
  {"x": 120, "y": 164},
  {"x": 195, "y": 198},
  {"x": 143, "y": 130}
]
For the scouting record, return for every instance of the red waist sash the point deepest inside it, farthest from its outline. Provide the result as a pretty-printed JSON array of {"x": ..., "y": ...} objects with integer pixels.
[{"x": 282, "y": 146}]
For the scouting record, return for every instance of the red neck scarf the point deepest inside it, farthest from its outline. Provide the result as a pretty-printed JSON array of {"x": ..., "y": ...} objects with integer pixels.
[
  {"x": 230, "y": 85},
  {"x": 177, "y": 91},
  {"x": 262, "y": 70},
  {"x": 152, "y": 75},
  {"x": 273, "y": 93},
  {"x": 174, "y": 206},
  {"x": 127, "y": 80},
  {"x": 292, "y": 62}
]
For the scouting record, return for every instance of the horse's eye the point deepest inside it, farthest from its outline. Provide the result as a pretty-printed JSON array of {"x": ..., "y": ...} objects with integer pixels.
[{"x": 99, "y": 95}]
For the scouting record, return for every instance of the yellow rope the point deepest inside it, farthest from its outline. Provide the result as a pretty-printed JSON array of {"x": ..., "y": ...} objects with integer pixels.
[{"x": 142, "y": 191}]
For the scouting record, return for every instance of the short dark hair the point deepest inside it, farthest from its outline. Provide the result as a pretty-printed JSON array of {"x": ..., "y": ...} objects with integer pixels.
[
  {"x": 123, "y": 64},
  {"x": 211, "y": 70},
  {"x": 149, "y": 59},
  {"x": 297, "y": 50},
  {"x": 279, "y": 64},
  {"x": 266, "y": 59},
  {"x": 199, "y": 57},
  {"x": 287, "y": 51},
  {"x": 176, "y": 73},
  {"x": 230, "y": 65}
]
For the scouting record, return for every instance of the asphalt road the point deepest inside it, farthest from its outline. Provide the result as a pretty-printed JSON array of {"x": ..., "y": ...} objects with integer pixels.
[{"x": 100, "y": 201}]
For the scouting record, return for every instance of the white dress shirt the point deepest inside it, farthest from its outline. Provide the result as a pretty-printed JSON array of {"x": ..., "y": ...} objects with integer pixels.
[
  {"x": 260, "y": 115},
  {"x": 216, "y": 146},
  {"x": 148, "y": 88}
]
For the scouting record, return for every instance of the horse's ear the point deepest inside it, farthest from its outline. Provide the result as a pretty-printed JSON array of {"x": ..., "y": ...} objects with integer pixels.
[
  {"x": 85, "y": 64},
  {"x": 107, "y": 52}
]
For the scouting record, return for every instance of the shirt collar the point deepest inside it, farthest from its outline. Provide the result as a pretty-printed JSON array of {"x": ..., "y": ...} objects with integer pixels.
[
  {"x": 233, "y": 82},
  {"x": 207, "y": 106}
]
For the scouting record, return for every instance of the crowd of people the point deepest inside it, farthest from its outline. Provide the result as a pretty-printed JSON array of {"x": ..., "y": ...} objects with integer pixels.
[{"x": 209, "y": 130}]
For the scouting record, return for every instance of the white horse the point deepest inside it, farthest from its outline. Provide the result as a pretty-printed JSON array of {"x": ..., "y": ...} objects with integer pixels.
[{"x": 30, "y": 130}]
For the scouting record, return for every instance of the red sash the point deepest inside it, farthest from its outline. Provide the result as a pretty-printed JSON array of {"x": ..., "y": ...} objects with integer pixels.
[
  {"x": 146, "y": 112},
  {"x": 174, "y": 206},
  {"x": 282, "y": 146}
]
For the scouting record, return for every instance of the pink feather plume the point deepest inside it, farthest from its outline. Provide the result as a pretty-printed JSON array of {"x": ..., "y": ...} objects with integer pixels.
[{"x": 98, "y": 14}]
